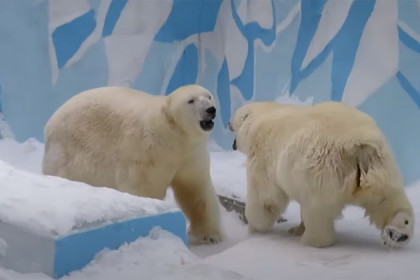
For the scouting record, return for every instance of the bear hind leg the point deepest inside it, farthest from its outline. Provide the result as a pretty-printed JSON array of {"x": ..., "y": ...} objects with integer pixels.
[
  {"x": 262, "y": 208},
  {"x": 319, "y": 229}
]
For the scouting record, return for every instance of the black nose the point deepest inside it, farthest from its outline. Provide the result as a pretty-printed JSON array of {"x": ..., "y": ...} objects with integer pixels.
[
  {"x": 402, "y": 238},
  {"x": 211, "y": 110}
]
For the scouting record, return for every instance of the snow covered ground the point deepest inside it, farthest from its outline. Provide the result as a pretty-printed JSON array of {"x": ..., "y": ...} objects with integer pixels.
[
  {"x": 159, "y": 256},
  {"x": 82, "y": 206},
  {"x": 358, "y": 253}
]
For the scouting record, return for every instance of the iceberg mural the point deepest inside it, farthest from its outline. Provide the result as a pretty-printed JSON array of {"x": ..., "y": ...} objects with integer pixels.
[{"x": 362, "y": 52}]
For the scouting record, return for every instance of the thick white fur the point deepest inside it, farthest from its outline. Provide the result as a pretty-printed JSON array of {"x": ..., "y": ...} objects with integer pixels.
[
  {"x": 140, "y": 144},
  {"x": 325, "y": 157}
]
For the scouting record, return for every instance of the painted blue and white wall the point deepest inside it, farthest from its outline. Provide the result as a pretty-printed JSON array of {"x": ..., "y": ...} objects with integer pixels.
[{"x": 362, "y": 52}]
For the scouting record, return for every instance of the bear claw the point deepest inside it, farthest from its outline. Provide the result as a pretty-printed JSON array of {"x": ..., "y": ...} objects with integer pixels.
[
  {"x": 204, "y": 238},
  {"x": 297, "y": 230}
]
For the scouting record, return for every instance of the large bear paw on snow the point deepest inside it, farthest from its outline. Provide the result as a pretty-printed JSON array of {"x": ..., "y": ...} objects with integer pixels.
[
  {"x": 204, "y": 237},
  {"x": 317, "y": 241},
  {"x": 399, "y": 231},
  {"x": 318, "y": 237},
  {"x": 297, "y": 230}
]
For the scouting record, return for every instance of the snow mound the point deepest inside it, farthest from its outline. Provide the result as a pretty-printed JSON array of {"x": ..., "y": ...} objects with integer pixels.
[
  {"x": 159, "y": 256},
  {"x": 55, "y": 206},
  {"x": 5, "y": 131}
]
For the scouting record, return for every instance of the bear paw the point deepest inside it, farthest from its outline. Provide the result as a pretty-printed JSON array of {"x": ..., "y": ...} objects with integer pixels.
[
  {"x": 281, "y": 219},
  {"x": 297, "y": 230},
  {"x": 319, "y": 240},
  {"x": 204, "y": 237}
]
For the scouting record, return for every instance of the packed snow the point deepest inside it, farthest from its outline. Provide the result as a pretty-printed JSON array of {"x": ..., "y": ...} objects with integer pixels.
[
  {"x": 29, "y": 201},
  {"x": 159, "y": 256},
  {"x": 358, "y": 253}
]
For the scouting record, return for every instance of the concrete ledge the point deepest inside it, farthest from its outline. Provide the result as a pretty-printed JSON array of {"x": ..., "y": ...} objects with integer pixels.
[
  {"x": 28, "y": 252},
  {"x": 55, "y": 226},
  {"x": 77, "y": 250}
]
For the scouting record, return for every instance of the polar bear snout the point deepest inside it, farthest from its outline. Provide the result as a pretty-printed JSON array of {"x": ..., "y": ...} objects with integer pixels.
[
  {"x": 211, "y": 112},
  {"x": 234, "y": 147},
  {"x": 396, "y": 236},
  {"x": 208, "y": 116},
  {"x": 399, "y": 231},
  {"x": 402, "y": 238},
  {"x": 393, "y": 237}
]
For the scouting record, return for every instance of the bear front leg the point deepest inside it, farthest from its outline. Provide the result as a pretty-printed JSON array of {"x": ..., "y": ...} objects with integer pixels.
[
  {"x": 318, "y": 226},
  {"x": 197, "y": 198},
  {"x": 265, "y": 201}
]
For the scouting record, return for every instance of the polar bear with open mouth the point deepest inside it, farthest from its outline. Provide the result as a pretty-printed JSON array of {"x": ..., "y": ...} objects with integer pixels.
[{"x": 141, "y": 144}]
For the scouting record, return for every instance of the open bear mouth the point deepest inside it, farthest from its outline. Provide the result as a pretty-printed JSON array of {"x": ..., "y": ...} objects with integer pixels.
[
  {"x": 207, "y": 125},
  {"x": 394, "y": 238}
]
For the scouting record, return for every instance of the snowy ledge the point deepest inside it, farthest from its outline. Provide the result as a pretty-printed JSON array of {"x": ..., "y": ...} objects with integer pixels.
[
  {"x": 55, "y": 226},
  {"x": 55, "y": 206}
]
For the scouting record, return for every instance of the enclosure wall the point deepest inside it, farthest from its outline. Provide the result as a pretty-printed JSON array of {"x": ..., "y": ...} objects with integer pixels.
[{"x": 362, "y": 52}]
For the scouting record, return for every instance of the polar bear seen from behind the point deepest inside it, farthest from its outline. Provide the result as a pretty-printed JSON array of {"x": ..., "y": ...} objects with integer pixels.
[
  {"x": 141, "y": 144},
  {"x": 325, "y": 157}
]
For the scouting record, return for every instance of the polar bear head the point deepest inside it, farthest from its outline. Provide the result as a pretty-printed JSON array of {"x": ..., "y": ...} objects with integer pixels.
[
  {"x": 380, "y": 190},
  {"x": 244, "y": 118},
  {"x": 192, "y": 109},
  {"x": 399, "y": 230},
  {"x": 398, "y": 215}
]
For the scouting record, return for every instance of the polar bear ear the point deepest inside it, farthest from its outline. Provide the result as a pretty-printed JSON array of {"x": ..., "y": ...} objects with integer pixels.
[
  {"x": 244, "y": 117},
  {"x": 168, "y": 114},
  {"x": 230, "y": 126},
  {"x": 238, "y": 120},
  {"x": 368, "y": 159}
]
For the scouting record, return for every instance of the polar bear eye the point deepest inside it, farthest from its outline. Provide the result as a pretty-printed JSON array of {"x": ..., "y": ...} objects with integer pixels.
[
  {"x": 406, "y": 222},
  {"x": 210, "y": 97},
  {"x": 191, "y": 101}
]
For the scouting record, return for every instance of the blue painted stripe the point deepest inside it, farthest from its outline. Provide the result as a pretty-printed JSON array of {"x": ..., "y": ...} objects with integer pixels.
[
  {"x": 346, "y": 44},
  {"x": 245, "y": 81},
  {"x": 77, "y": 250},
  {"x": 408, "y": 41},
  {"x": 311, "y": 12},
  {"x": 112, "y": 16},
  {"x": 406, "y": 85},
  {"x": 186, "y": 70},
  {"x": 68, "y": 37},
  {"x": 236, "y": 18},
  {"x": 409, "y": 12},
  {"x": 251, "y": 31},
  {"x": 187, "y": 18},
  {"x": 223, "y": 92},
  {"x": 1, "y": 110}
]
